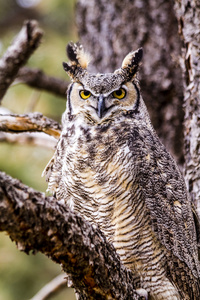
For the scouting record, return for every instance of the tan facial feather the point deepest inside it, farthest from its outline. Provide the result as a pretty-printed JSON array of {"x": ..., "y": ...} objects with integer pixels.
[{"x": 131, "y": 96}]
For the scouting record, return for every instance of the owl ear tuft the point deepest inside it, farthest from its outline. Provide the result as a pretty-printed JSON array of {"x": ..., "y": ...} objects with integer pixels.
[
  {"x": 66, "y": 67},
  {"x": 72, "y": 50},
  {"x": 72, "y": 70},
  {"x": 79, "y": 60},
  {"x": 131, "y": 62},
  {"x": 78, "y": 55}
]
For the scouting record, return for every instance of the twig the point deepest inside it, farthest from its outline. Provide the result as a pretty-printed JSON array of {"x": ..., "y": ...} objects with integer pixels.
[
  {"x": 18, "y": 53},
  {"x": 29, "y": 138},
  {"x": 40, "y": 223},
  {"x": 54, "y": 286},
  {"x": 30, "y": 122},
  {"x": 38, "y": 79}
]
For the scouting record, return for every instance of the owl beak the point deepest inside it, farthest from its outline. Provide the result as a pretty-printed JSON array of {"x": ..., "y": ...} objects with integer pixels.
[{"x": 101, "y": 106}]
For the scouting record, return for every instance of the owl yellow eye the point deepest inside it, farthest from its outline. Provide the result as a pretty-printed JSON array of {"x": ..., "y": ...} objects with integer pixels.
[
  {"x": 84, "y": 94},
  {"x": 119, "y": 94}
]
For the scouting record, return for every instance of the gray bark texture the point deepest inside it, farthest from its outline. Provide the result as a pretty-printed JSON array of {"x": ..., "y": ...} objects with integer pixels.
[
  {"x": 111, "y": 29},
  {"x": 40, "y": 223},
  {"x": 188, "y": 14},
  {"x": 18, "y": 54}
]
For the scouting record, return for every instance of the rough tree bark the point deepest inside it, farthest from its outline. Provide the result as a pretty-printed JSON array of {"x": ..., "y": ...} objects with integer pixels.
[
  {"x": 188, "y": 14},
  {"x": 110, "y": 29},
  {"x": 40, "y": 223}
]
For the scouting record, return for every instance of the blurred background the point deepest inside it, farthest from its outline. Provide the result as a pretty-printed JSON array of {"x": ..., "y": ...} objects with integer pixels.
[{"x": 21, "y": 276}]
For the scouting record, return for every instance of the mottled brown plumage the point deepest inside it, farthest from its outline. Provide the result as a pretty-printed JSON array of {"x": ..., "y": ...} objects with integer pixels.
[{"x": 111, "y": 167}]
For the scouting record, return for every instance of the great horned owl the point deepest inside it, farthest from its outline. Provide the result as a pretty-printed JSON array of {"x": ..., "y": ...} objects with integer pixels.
[{"x": 111, "y": 167}]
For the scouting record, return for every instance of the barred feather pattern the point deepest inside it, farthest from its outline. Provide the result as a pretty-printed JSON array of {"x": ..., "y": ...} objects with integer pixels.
[
  {"x": 111, "y": 167},
  {"x": 119, "y": 176}
]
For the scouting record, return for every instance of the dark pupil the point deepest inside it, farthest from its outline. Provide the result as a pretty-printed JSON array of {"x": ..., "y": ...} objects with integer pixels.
[
  {"x": 86, "y": 93},
  {"x": 119, "y": 92}
]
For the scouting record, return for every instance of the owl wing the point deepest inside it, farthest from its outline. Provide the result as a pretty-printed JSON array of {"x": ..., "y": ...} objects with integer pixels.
[
  {"x": 53, "y": 170},
  {"x": 48, "y": 169},
  {"x": 166, "y": 199},
  {"x": 51, "y": 175}
]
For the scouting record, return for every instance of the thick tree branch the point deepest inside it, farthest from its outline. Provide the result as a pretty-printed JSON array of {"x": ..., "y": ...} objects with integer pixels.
[
  {"x": 40, "y": 223},
  {"x": 18, "y": 53},
  {"x": 30, "y": 122},
  {"x": 38, "y": 79}
]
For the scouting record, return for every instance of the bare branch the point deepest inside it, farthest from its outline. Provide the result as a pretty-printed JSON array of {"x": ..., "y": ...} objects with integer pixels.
[
  {"x": 29, "y": 138},
  {"x": 40, "y": 223},
  {"x": 18, "y": 53},
  {"x": 54, "y": 286},
  {"x": 29, "y": 122},
  {"x": 38, "y": 79}
]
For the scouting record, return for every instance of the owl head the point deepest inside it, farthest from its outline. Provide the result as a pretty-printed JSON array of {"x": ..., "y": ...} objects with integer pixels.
[{"x": 101, "y": 97}]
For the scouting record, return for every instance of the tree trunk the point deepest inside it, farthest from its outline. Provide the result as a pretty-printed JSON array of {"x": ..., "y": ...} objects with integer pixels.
[
  {"x": 188, "y": 14},
  {"x": 110, "y": 29}
]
